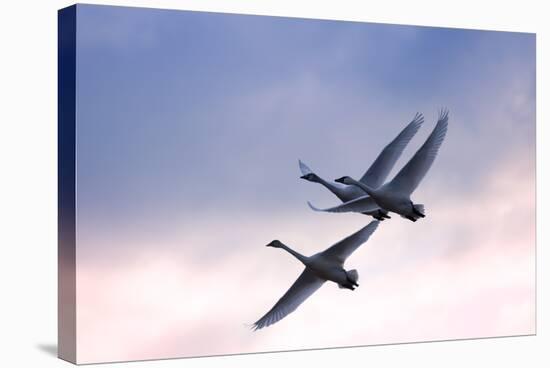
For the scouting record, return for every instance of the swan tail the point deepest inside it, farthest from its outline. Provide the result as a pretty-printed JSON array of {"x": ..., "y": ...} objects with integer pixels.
[
  {"x": 419, "y": 208},
  {"x": 353, "y": 275}
]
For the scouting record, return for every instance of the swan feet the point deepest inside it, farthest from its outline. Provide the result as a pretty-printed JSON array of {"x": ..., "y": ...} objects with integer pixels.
[
  {"x": 351, "y": 284},
  {"x": 413, "y": 219},
  {"x": 381, "y": 215},
  {"x": 418, "y": 213}
]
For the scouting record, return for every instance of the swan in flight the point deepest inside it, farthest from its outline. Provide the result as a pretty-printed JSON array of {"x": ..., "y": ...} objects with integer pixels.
[
  {"x": 320, "y": 267},
  {"x": 395, "y": 196},
  {"x": 377, "y": 172}
]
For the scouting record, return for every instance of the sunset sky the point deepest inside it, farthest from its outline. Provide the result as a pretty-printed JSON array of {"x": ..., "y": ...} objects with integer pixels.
[{"x": 189, "y": 130}]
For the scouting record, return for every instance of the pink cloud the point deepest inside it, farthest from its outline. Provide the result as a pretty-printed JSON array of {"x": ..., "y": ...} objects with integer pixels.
[{"x": 467, "y": 270}]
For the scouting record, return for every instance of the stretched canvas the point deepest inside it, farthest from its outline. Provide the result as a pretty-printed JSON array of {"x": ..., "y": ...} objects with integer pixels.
[{"x": 188, "y": 141}]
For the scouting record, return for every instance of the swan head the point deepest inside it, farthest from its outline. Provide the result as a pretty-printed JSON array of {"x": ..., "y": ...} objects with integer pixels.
[
  {"x": 310, "y": 177},
  {"x": 345, "y": 180},
  {"x": 275, "y": 244}
]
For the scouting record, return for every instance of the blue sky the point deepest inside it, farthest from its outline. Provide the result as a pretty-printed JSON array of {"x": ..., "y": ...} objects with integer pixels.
[
  {"x": 186, "y": 115},
  {"x": 156, "y": 87}
]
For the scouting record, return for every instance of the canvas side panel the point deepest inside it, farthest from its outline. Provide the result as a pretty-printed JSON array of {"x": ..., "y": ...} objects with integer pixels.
[{"x": 66, "y": 145}]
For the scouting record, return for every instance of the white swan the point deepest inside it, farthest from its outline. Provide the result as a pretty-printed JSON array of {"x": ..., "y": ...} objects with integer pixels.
[
  {"x": 395, "y": 196},
  {"x": 377, "y": 172},
  {"x": 320, "y": 267}
]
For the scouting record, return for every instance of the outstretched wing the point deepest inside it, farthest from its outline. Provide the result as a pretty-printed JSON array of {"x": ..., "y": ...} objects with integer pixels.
[
  {"x": 361, "y": 204},
  {"x": 345, "y": 247},
  {"x": 304, "y": 168},
  {"x": 381, "y": 167},
  {"x": 302, "y": 289},
  {"x": 407, "y": 180}
]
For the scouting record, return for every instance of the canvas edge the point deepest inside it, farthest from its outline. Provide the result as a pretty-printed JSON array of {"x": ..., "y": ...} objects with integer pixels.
[{"x": 66, "y": 161}]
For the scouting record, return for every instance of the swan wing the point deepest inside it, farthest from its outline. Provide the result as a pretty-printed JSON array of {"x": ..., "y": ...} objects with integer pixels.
[
  {"x": 407, "y": 180},
  {"x": 345, "y": 247},
  {"x": 361, "y": 204},
  {"x": 303, "y": 288},
  {"x": 304, "y": 168},
  {"x": 381, "y": 167}
]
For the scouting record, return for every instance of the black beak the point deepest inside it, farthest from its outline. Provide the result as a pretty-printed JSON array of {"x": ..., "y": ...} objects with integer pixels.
[
  {"x": 340, "y": 180},
  {"x": 303, "y": 177}
]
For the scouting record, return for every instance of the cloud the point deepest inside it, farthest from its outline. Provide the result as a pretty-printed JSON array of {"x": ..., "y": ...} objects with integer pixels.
[
  {"x": 466, "y": 271},
  {"x": 188, "y": 138}
]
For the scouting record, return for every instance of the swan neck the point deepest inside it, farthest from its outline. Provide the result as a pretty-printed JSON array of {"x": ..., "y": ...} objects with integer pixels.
[
  {"x": 299, "y": 256},
  {"x": 333, "y": 188},
  {"x": 370, "y": 191}
]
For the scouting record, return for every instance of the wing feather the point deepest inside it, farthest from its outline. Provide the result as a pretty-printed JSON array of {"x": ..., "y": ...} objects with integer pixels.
[
  {"x": 413, "y": 172},
  {"x": 302, "y": 289},
  {"x": 384, "y": 163},
  {"x": 345, "y": 247},
  {"x": 361, "y": 204}
]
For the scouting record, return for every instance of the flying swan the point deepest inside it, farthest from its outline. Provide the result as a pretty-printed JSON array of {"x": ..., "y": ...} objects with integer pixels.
[
  {"x": 395, "y": 196},
  {"x": 377, "y": 172},
  {"x": 320, "y": 267}
]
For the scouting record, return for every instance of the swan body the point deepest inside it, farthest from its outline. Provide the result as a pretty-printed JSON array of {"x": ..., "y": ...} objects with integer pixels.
[
  {"x": 377, "y": 172},
  {"x": 392, "y": 201},
  {"x": 395, "y": 196},
  {"x": 327, "y": 265}
]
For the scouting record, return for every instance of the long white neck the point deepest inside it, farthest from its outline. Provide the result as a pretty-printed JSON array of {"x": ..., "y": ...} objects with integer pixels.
[
  {"x": 337, "y": 190},
  {"x": 370, "y": 191},
  {"x": 299, "y": 256}
]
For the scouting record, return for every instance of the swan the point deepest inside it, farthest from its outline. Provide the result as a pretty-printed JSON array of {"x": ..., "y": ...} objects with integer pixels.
[
  {"x": 377, "y": 172},
  {"x": 323, "y": 266},
  {"x": 395, "y": 196}
]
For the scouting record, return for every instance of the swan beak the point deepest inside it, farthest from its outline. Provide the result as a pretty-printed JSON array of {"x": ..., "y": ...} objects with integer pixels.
[
  {"x": 340, "y": 180},
  {"x": 303, "y": 177}
]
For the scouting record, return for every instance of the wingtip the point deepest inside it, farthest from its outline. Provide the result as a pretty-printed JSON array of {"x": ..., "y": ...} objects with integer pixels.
[
  {"x": 418, "y": 119},
  {"x": 313, "y": 207},
  {"x": 416, "y": 123},
  {"x": 251, "y": 326},
  {"x": 443, "y": 114},
  {"x": 304, "y": 169}
]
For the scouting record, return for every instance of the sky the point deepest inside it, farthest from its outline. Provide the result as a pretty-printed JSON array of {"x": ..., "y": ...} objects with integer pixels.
[{"x": 189, "y": 130}]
